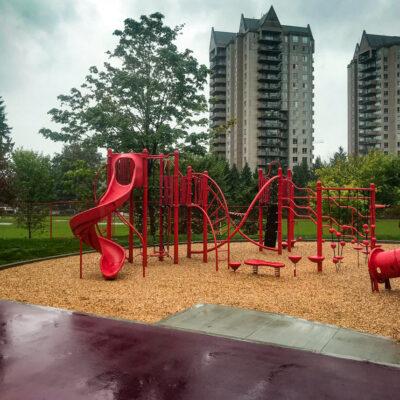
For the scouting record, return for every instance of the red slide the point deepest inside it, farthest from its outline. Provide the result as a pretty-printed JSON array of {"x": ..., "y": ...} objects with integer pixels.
[{"x": 83, "y": 225}]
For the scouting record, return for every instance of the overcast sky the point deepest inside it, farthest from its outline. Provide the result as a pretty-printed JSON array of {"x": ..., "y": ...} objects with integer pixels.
[{"x": 47, "y": 46}]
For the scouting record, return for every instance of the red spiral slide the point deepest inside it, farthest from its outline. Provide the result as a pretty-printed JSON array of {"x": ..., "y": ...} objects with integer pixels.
[{"x": 83, "y": 225}]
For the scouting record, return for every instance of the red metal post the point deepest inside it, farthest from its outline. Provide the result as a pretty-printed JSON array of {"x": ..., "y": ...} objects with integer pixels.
[
  {"x": 131, "y": 210},
  {"x": 372, "y": 215},
  {"x": 51, "y": 220},
  {"x": 80, "y": 259},
  {"x": 260, "y": 210},
  {"x": 280, "y": 195},
  {"x": 145, "y": 208},
  {"x": 204, "y": 191},
  {"x": 161, "y": 211},
  {"x": 319, "y": 224},
  {"x": 290, "y": 214},
  {"x": 109, "y": 174},
  {"x": 176, "y": 207},
  {"x": 189, "y": 212}
]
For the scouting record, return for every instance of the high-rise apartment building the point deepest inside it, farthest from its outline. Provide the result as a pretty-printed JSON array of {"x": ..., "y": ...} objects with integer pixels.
[
  {"x": 374, "y": 95},
  {"x": 261, "y": 91}
]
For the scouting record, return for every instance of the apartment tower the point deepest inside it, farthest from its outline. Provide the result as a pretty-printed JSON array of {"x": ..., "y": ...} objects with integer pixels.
[
  {"x": 261, "y": 93},
  {"x": 374, "y": 95}
]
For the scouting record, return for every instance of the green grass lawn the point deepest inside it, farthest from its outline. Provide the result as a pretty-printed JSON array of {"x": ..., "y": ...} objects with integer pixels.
[{"x": 14, "y": 245}]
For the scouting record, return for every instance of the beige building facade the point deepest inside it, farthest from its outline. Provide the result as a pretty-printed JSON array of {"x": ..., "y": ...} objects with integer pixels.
[
  {"x": 261, "y": 93},
  {"x": 374, "y": 96}
]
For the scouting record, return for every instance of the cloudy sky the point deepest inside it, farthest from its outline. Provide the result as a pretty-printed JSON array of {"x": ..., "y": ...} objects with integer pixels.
[{"x": 47, "y": 46}]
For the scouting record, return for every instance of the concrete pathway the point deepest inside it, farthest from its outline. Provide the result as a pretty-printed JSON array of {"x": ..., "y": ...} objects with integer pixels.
[{"x": 286, "y": 331}]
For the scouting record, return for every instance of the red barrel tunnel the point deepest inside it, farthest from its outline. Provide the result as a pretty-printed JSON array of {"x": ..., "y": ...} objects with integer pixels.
[{"x": 383, "y": 265}]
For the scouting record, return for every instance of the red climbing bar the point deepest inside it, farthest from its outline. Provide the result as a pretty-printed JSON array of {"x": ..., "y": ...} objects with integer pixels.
[
  {"x": 176, "y": 207},
  {"x": 131, "y": 210},
  {"x": 280, "y": 195},
  {"x": 319, "y": 224},
  {"x": 204, "y": 198},
  {"x": 189, "y": 212},
  {"x": 145, "y": 206},
  {"x": 372, "y": 215},
  {"x": 290, "y": 215},
  {"x": 260, "y": 210},
  {"x": 161, "y": 211},
  {"x": 109, "y": 173}
]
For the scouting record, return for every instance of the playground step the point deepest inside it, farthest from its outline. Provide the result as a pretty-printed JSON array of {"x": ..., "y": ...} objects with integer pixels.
[{"x": 286, "y": 331}]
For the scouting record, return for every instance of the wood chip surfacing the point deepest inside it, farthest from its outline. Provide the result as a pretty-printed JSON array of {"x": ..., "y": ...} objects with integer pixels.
[{"x": 342, "y": 298}]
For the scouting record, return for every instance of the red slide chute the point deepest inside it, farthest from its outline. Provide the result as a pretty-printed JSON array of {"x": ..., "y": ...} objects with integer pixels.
[{"x": 83, "y": 225}]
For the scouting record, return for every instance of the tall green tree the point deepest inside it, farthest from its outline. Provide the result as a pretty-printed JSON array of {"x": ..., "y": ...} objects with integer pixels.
[
  {"x": 33, "y": 184},
  {"x": 6, "y": 146},
  {"x": 148, "y": 95}
]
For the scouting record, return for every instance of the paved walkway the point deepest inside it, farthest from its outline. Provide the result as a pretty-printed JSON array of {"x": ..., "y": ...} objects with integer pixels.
[
  {"x": 49, "y": 354},
  {"x": 286, "y": 331}
]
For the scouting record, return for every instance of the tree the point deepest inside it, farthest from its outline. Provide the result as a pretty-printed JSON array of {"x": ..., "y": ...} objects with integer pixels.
[
  {"x": 301, "y": 174},
  {"x": 376, "y": 167},
  {"x": 147, "y": 96},
  {"x": 339, "y": 156},
  {"x": 6, "y": 146},
  {"x": 74, "y": 170},
  {"x": 33, "y": 184}
]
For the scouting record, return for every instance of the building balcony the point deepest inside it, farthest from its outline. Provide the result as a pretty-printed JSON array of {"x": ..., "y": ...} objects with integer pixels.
[
  {"x": 269, "y": 37},
  {"x": 365, "y": 100},
  {"x": 217, "y": 82},
  {"x": 269, "y": 105},
  {"x": 269, "y": 87},
  {"x": 272, "y": 124},
  {"x": 216, "y": 123},
  {"x": 367, "y": 108},
  {"x": 269, "y": 96},
  {"x": 268, "y": 59},
  {"x": 271, "y": 153},
  {"x": 216, "y": 116},
  {"x": 219, "y": 99},
  {"x": 218, "y": 65},
  {"x": 269, "y": 77},
  {"x": 272, "y": 115},
  {"x": 273, "y": 69},
  {"x": 269, "y": 48},
  {"x": 369, "y": 142},
  {"x": 369, "y": 84},
  {"x": 367, "y": 75},
  {"x": 272, "y": 134},
  {"x": 217, "y": 108},
  {"x": 369, "y": 132},
  {"x": 219, "y": 148}
]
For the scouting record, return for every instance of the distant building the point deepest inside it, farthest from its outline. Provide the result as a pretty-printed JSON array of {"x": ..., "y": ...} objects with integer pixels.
[
  {"x": 374, "y": 95},
  {"x": 262, "y": 82}
]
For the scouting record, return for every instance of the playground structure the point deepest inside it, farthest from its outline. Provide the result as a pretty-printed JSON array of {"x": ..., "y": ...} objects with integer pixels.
[{"x": 348, "y": 214}]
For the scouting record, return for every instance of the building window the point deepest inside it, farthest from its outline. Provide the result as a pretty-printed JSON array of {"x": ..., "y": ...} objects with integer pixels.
[
  {"x": 294, "y": 150},
  {"x": 295, "y": 39},
  {"x": 304, "y": 150},
  {"x": 294, "y": 47},
  {"x": 294, "y": 141},
  {"x": 304, "y": 141},
  {"x": 385, "y": 145},
  {"x": 295, "y": 159},
  {"x": 305, "y": 39},
  {"x": 294, "y": 131}
]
